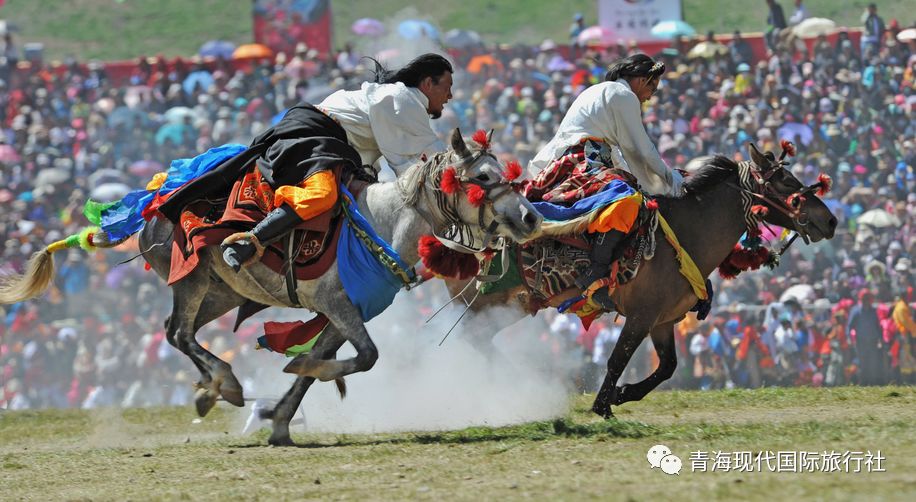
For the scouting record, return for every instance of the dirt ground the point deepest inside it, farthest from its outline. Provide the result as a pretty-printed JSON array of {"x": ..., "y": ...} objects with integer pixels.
[{"x": 162, "y": 454}]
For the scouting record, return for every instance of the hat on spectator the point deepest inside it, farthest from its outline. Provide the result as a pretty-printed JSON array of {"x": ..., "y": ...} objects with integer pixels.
[{"x": 548, "y": 45}]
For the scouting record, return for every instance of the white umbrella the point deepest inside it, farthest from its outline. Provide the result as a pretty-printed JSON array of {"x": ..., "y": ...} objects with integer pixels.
[
  {"x": 177, "y": 114},
  {"x": 878, "y": 218},
  {"x": 813, "y": 26},
  {"x": 109, "y": 192},
  {"x": 51, "y": 176},
  {"x": 707, "y": 49},
  {"x": 907, "y": 35},
  {"x": 803, "y": 293},
  {"x": 106, "y": 175}
]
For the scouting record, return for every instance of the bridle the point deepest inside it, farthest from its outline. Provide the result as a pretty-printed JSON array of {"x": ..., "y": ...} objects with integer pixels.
[
  {"x": 756, "y": 185},
  {"x": 455, "y": 232}
]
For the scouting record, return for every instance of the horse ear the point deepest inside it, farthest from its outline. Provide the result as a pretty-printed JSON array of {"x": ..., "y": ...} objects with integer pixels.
[
  {"x": 760, "y": 160},
  {"x": 458, "y": 144},
  {"x": 490, "y": 137}
]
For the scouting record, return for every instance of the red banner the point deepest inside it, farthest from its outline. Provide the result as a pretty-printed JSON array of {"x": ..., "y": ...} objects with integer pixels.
[{"x": 283, "y": 24}]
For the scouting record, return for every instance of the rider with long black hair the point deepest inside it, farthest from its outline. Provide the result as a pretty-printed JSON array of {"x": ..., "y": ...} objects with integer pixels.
[{"x": 313, "y": 148}]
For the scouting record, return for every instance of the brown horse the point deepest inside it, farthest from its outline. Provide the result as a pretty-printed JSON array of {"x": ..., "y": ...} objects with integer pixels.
[{"x": 708, "y": 221}]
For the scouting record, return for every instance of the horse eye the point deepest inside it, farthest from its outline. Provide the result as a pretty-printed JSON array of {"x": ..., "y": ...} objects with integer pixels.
[{"x": 482, "y": 177}]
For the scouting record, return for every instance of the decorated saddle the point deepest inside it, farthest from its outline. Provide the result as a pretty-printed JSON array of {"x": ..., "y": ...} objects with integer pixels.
[{"x": 308, "y": 251}]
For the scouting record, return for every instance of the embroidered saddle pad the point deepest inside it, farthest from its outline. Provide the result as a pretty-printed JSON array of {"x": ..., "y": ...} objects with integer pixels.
[{"x": 204, "y": 223}]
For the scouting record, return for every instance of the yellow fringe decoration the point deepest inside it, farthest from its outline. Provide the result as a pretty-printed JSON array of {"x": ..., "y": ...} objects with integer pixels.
[
  {"x": 156, "y": 182},
  {"x": 687, "y": 266}
]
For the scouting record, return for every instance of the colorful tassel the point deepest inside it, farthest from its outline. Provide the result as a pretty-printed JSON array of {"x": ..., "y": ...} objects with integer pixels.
[
  {"x": 85, "y": 238},
  {"x": 476, "y": 195},
  {"x": 759, "y": 210},
  {"x": 444, "y": 261},
  {"x": 156, "y": 182},
  {"x": 449, "y": 183},
  {"x": 825, "y": 183},
  {"x": 788, "y": 148},
  {"x": 513, "y": 170},
  {"x": 480, "y": 137},
  {"x": 651, "y": 204}
]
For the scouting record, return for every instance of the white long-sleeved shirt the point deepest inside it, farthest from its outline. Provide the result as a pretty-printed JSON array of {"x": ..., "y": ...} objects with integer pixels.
[
  {"x": 610, "y": 112},
  {"x": 387, "y": 120}
]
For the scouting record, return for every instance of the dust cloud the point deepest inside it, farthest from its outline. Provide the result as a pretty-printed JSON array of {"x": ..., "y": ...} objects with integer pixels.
[{"x": 417, "y": 385}]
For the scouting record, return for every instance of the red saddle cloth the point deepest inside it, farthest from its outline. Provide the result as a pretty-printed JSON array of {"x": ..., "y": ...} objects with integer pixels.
[{"x": 206, "y": 223}]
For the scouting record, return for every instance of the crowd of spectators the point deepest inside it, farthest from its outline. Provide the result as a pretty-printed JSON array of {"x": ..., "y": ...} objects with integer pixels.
[{"x": 68, "y": 132}]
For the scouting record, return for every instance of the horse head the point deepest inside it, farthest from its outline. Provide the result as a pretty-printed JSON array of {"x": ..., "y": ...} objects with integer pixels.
[
  {"x": 787, "y": 202},
  {"x": 481, "y": 192}
]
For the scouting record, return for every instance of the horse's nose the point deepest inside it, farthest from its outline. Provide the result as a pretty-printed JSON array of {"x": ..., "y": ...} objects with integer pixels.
[
  {"x": 832, "y": 222},
  {"x": 531, "y": 219}
]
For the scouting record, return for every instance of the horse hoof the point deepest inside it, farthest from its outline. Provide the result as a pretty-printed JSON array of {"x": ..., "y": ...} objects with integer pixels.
[
  {"x": 204, "y": 401},
  {"x": 618, "y": 395},
  {"x": 302, "y": 365},
  {"x": 281, "y": 441},
  {"x": 232, "y": 394}
]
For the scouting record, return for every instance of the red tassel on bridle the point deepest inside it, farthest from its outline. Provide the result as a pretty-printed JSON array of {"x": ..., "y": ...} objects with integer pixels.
[
  {"x": 760, "y": 211},
  {"x": 652, "y": 205},
  {"x": 444, "y": 261},
  {"x": 476, "y": 195},
  {"x": 513, "y": 170},
  {"x": 480, "y": 137},
  {"x": 449, "y": 183},
  {"x": 825, "y": 183},
  {"x": 788, "y": 148}
]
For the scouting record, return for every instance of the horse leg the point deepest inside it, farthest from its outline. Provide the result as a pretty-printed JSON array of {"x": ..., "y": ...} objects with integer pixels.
[
  {"x": 630, "y": 338},
  {"x": 663, "y": 341},
  {"x": 326, "y": 347},
  {"x": 222, "y": 379},
  {"x": 187, "y": 297},
  {"x": 347, "y": 320}
]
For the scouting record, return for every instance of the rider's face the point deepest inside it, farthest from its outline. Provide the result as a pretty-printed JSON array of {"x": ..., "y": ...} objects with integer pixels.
[
  {"x": 438, "y": 93},
  {"x": 644, "y": 87}
]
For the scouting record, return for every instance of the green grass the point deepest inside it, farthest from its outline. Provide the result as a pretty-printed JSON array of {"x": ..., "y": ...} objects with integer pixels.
[
  {"x": 161, "y": 454},
  {"x": 112, "y": 29}
]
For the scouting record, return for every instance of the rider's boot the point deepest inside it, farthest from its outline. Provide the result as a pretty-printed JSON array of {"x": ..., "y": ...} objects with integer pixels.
[
  {"x": 239, "y": 249},
  {"x": 601, "y": 257}
]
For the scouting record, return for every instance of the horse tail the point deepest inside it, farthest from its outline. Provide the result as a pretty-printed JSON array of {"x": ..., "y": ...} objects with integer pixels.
[{"x": 39, "y": 271}]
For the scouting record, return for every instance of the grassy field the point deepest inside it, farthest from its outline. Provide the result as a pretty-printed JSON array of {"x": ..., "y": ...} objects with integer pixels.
[
  {"x": 123, "y": 29},
  {"x": 161, "y": 454}
]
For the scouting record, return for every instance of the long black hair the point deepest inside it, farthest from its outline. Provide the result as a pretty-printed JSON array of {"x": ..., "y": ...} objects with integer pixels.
[
  {"x": 637, "y": 65},
  {"x": 426, "y": 65}
]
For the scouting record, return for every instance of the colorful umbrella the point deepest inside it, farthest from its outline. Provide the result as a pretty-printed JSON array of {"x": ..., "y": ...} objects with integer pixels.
[
  {"x": 597, "y": 35},
  {"x": 8, "y": 154},
  {"x": 477, "y": 63},
  {"x": 217, "y": 49},
  {"x": 252, "y": 51},
  {"x": 462, "y": 39},
  {"x": 413, "y": 29},
  {"x": 200, "y": 78},
  {"x": 368, "y": 27},
  {"x": 672, "y": 28}
]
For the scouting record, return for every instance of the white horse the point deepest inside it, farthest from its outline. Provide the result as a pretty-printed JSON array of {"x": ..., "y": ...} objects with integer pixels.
[{"x": 400, "y": 212}]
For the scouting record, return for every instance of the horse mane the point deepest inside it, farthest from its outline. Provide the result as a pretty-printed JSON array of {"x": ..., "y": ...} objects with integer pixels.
[
  {"x": 411, "y": 183},
  {"x": 713, "y": 171}
]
